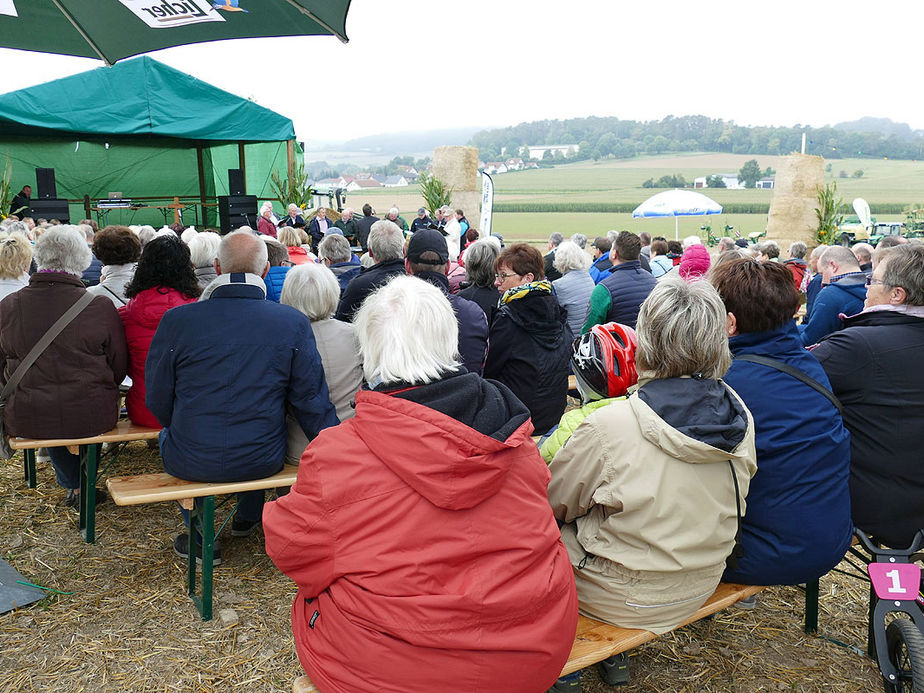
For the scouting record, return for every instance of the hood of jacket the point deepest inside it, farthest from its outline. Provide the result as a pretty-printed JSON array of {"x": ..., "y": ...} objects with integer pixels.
[
  {"x": 537, "y": 311},
  {"x": 234, "y": 285},
  {"x": 458, "y": 429},
  {"x": 149, "y": 306},
  {"x": 696, "y": 421}
]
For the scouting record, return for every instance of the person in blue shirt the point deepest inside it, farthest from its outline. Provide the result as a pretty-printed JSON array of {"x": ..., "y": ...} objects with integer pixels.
[{"x": 843, "y": 293}]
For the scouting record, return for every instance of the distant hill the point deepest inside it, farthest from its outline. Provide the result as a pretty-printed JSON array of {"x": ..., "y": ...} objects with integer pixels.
[
  {"x": 605, "y": 138},
  {"x": 403, "y": 142},
  {"x": 884, "y": 126}
]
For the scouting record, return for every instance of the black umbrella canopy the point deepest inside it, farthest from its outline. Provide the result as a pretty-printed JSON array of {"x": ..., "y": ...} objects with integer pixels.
[{"x": 114, "y": 29}]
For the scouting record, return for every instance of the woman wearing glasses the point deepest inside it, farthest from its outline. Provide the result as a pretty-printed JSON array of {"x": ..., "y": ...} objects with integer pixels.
[{"x": 530, "y": 341}]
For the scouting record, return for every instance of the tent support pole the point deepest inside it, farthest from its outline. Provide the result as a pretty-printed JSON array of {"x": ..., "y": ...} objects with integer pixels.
[
  {"x": 201, "y": 165},
  {"x": 290, "y": 157},
  {"x": 241, "y": 160},
  {"x": 86, "y": 206}
]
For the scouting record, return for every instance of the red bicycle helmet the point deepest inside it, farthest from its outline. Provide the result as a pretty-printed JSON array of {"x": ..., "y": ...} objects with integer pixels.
[{"x": 603, "y": 361}]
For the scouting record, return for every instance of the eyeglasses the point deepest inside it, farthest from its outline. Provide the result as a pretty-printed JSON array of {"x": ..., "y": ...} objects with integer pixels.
[
  {"x": 503, "y": 277},
  {"x": 870, "y": 280}
]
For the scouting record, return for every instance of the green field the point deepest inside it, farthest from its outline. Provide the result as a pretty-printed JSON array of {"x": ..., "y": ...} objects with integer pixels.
[{"x": 883, "y": 181}]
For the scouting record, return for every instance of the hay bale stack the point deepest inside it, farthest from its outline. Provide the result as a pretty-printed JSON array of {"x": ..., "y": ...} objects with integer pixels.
[
  {"x": 457, "y": 167},
  {"x": 792, "y": 209}
]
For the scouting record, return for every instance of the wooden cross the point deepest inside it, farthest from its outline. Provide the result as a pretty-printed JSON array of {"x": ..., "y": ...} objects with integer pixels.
[{"x": 176, "y": 207}]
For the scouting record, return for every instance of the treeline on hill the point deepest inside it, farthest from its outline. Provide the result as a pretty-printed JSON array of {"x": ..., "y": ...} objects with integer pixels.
[
  {"x": 627, "y": 207},
  {"x": 601, "y": 138}
]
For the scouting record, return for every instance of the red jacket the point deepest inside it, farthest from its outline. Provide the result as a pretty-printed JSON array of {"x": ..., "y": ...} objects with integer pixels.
[
  {"x": 425, "y": 552},
  {"x": 141, "y": 316}
]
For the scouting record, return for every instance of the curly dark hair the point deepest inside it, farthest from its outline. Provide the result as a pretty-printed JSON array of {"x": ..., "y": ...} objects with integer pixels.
[
  {"x": 164, "y": 265},
  {"x": 116, "y": 245}
]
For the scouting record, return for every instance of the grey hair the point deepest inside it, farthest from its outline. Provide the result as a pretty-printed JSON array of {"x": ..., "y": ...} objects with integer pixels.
[
  {"x": 87, "y": 231},
  {"x": 691, "y": 240},
  {"x": 569, "y": 256},
  {"x": 905, "y": 268},
  {"x": 266, "y": 206},
  {"x": 844, "y": 257},
  {"x": 11, "y": 226},
  {"x": 188, "y": 235},
  {"x": 681, "y": 331},
  {"x": 818, "y": 251},
  {"x": 312, "y": 289},
  {"x": 769, "y": 248},
  {"x": 241, "y": 251},
  {"x": 146, "y": 234},
  {"x": 611, "y": 234},
  {"x": 797, "y": 249},
  {"x": 393, "y": 347},
  {"x": 63, "y": 248},
  {"x": 335, "y": 248},
  {"x": 276, "y": 252},
  {"x": 479, "y": 260},
  {"x": 863, "y": 250},
  {"x": 203, "y": 248},
  {"x": 555, "y": 238},
  {"x": 579, "y": 239},
  {"x": 726, "y": 242},
  {"x": 15, "y": 253},
  {"x": 733, "y": 253},
  {"x": 386, "y": 241}
]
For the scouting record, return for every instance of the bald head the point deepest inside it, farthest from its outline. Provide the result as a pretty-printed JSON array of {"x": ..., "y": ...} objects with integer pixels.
[{"x": 241, "y": 251}]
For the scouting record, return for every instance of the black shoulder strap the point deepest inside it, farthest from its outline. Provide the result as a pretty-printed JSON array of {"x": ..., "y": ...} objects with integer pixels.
[
  {"x": 731, "y": 562},
  {"x": 795, "y": 373},
  {"x": 118, "y": 298}
]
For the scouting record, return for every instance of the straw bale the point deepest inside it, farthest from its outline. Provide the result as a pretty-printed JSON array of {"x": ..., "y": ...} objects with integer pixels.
[
  {"x": 792, "y": 209},
  {"x": 457, "y": 167}
]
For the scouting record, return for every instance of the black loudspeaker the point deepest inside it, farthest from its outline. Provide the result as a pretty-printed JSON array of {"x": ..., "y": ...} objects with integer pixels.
[
  {"x": 235, "y": 211},
  {"x": 235, "y": 182},
  {"x": 51, "y": 209},
  {"x": 45, "y": 178}
]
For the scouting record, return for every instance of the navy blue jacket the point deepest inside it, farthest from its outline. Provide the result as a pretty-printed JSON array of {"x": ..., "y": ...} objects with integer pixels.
[
  {"x": 629, "y": 285},
  {"x": 368, "y": 280},
  {"x": 845, "y": 296},
  {"x": 345, "y": 271},
  {"x": 219, "y": 375},
  {"x": 473, "y": 324},
  {"x": 874, "y": 368},
  {"x": 811, "y": 293},
  {"x": 93, "y": 273},
  {"x": 798, "y": 525}
]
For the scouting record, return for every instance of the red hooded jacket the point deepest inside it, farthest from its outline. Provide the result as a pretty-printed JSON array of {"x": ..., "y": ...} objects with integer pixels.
[
  {"x": 141, "y": 316},
  {"x": 425, "y": 551}
]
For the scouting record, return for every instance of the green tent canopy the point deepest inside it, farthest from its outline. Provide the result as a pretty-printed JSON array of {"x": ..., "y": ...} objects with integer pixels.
[{"x": 143, "y": 129}]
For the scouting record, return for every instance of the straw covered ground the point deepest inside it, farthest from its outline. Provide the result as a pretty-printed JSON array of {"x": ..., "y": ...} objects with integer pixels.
[{"x": 128, "y": 626}]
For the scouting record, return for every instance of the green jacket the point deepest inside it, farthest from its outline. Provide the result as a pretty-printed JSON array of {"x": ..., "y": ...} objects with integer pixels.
[{"x": 569, "y": 422}]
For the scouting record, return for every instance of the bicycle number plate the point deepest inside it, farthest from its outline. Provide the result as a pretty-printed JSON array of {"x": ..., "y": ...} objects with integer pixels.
[{"x": 896, "y": 581}]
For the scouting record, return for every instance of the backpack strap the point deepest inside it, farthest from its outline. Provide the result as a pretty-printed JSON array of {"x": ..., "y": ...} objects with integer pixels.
[{"x": 795, "y": 373}]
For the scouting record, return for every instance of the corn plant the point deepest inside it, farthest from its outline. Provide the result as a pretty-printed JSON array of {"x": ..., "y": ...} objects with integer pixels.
[
  {"x": 434, "y": 191},
  {"x": 294, "y": 189},
  {"x": 829, "y": 213},
  {"x": 6, "y": 192}
]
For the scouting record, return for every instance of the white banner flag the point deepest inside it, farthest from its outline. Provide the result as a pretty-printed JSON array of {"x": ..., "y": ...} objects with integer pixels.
[
  {"x": 7, "y": 7},
  {"x": 163, "y": 15},
  {"x": 487, "y": 203}
]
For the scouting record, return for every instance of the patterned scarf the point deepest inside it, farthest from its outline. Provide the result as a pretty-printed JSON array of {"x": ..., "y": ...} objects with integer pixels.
[{"x": 543, "y": 286}]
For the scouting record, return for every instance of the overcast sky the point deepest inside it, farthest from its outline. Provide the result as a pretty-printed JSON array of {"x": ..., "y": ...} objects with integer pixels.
[{"x": 430, "y": 64}]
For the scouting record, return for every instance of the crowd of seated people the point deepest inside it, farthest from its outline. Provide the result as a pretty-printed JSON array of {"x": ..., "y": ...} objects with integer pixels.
[{"x": 409, "y": 400}]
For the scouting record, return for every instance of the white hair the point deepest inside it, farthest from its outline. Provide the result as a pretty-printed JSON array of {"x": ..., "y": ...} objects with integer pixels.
[
  {"x": 241, "y": 251},
  {"x": 292, "y": 206},
  {"x": 691, "y": 240},
  {"x": 393, "y": 210},
  {"x": 335, "y": 248},
  {"x": 394, "y": 348},
  {"x": 146, "y": 234},
  {"x": 266, "y": 206},
  {"x": 188, "y": 235},
  {"x": 63, "y": 248},
  {"x": 579, "y": 239},
  {"x": 312, "y": 289},
  {"x": 203, "y": 248},
  {"x": 569, "y": 256},
  {"x": 386, "y": 241},
  {"x": 87, "y": 231}
]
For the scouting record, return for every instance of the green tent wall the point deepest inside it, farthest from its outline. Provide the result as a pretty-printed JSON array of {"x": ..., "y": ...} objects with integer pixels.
[{"x": 143, "y": 129}]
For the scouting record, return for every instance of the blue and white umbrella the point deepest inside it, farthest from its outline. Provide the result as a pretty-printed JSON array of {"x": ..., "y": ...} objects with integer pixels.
[{"x": 677, "y": 203}]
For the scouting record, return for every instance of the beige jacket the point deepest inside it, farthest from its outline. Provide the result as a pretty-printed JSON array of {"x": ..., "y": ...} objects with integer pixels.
[{"x": 648, "y": 506}]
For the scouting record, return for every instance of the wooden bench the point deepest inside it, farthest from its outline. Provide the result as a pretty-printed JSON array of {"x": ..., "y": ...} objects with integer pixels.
[
  {"x": 124, "y": 432},
  {"x": 162, "y": 487},
  {"x": 595, "y": 641}
]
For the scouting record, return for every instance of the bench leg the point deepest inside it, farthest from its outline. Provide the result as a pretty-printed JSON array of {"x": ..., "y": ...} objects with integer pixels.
[
  {"x": 89, "y": 458},
  {"x": 205, "y": 519},
  {"x": 28, "y": 463},
  {"x": 811, "y": 607}
]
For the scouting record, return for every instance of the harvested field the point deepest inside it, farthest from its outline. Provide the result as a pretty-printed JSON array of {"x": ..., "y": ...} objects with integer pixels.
[{"x": 128, "y": 625}]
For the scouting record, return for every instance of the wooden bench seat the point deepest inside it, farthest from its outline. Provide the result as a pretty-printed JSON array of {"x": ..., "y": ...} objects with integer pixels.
[
  {"x": 162, "y": 487},
  {"x": 595, "y": 641},
  {"x": 124, "y": 432}
]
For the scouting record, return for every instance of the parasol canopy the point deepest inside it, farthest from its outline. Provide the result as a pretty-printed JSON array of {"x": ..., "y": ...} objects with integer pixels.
[
  {"x": 677, "y": 203},
  {"x": 114, "y": 29}
]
